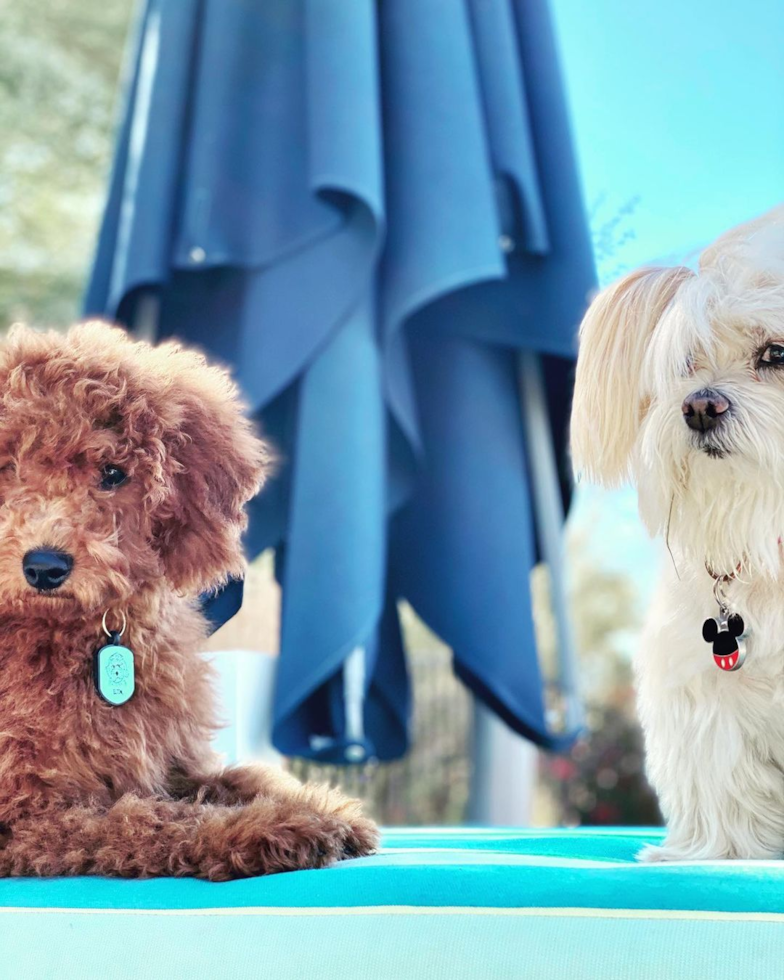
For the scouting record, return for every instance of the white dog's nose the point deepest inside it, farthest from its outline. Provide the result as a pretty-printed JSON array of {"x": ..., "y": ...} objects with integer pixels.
[{"x": 704, "y": 409}]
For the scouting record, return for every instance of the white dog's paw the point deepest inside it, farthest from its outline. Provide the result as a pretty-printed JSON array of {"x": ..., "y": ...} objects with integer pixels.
[
  {"x": 651, "y": 854},
  {"x": 659, "y": 854}
]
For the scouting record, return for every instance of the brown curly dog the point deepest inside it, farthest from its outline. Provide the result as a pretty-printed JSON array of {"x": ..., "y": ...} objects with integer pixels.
[{"x": 124, "y": 471}]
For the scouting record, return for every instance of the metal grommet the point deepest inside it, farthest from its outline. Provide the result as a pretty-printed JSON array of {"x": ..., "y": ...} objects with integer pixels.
[
  {"x": 355, "y": 753},
  {"x": 106, "y": 629}
]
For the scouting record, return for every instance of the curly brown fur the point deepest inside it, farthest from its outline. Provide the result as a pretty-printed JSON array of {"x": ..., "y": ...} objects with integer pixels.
[{"x": 134, "y": 790}]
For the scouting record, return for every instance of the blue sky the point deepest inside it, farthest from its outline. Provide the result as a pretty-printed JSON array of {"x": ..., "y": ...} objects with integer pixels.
[
  {"x": 682, "y": 103},
  {"x": 679, "y": 102}
]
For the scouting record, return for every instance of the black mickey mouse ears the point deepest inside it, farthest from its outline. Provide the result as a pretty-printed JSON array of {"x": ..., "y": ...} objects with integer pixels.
[
  {"x": 735, "y": 625},
  {"x": 710, "y": 630}
]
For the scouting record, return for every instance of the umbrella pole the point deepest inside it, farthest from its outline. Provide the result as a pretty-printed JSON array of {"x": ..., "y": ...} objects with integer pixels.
[
  {"x": 354, "y": 682},
  {"x": 503, "y": 773},
  {"x": 549, "y": 520},
  {"x": 504, "y": 763},
  {"x": 145, "y": 317}
]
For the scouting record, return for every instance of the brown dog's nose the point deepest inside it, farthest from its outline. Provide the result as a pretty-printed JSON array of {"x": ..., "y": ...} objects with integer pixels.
[
  {"x": 703, "y": 410},
  {"x": 46, "y": 570}
]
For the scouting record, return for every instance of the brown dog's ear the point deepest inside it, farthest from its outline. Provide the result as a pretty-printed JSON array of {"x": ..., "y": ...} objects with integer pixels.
[{"x": 213, "y": 464}]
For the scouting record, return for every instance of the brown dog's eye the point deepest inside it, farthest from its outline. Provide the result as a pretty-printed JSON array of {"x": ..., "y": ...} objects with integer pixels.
[
  {"x": 112, "y": 477},
  {"x": 772, "y": 356}
]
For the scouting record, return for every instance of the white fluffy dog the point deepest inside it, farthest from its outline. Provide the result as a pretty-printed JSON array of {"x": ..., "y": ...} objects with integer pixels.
[{"x": 680, "y": 387}]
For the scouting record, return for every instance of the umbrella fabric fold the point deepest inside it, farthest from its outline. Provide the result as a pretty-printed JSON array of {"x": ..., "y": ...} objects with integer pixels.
[{"x": 369, "y": 210}]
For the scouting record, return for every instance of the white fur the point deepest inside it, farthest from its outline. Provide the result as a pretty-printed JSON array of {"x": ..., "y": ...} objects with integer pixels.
[{"x": 714, "y": 740}]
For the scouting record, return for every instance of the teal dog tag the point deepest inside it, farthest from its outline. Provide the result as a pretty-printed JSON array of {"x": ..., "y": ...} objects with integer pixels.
[{"x": 115, "y": 678}]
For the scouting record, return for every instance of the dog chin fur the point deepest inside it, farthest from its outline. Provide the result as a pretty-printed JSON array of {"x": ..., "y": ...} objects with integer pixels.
[{"x": 714, "y": 740}]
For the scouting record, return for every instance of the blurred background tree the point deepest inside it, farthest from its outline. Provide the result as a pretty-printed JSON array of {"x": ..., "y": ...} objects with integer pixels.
[
  {"x": 59, "y": 70},
  {"x": 601, "y": 781}
]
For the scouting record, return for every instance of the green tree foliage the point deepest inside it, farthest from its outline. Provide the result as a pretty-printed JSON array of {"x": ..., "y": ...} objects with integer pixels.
[{"x": 59, "y": 70}]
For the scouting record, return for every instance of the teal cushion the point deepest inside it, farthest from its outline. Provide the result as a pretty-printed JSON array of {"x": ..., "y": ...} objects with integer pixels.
[{"x": 433, "y": 903}]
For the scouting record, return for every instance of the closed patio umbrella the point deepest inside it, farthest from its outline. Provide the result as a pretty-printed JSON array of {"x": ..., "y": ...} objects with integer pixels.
[{"x": 370, "y": 209}]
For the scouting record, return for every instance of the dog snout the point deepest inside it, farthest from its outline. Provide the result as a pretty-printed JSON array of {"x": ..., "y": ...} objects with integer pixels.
[
  {"x": 703, "y": 410},
  {"x": 46, "y": 570}
]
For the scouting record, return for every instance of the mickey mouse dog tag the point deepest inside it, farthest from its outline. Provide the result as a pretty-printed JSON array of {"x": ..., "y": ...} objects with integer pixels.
[{"x": 725, "y": 632}]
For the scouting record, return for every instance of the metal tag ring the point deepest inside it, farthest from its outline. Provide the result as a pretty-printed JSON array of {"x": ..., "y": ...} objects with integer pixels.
[
  {"x": 106, "y": 628},
  {"x": 719, "y": 591}
]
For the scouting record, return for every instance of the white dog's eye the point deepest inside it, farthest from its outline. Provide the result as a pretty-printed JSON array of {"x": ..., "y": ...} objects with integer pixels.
[{"x": 772, "y": 356}]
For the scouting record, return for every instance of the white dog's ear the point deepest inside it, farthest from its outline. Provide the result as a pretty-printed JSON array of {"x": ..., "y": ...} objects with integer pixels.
[{"x": 609, "y": 395}]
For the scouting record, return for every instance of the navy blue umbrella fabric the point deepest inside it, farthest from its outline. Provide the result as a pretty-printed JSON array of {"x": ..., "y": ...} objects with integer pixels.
[{"x": 369, "y": 209}]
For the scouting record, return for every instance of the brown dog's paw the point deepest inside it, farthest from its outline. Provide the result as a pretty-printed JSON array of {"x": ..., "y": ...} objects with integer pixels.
[
  {"x": 306, "y": 827},
  {"x": 305, "y": 845},
  {"x": 264, "y": 837},
  {"x": 361, "y": 835},
  {"x": 318, "y": 840},
  {"x": 6, "y": 865},
  {"x": 326, "y": 839},
  {"x": 362, "y": 838}
]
